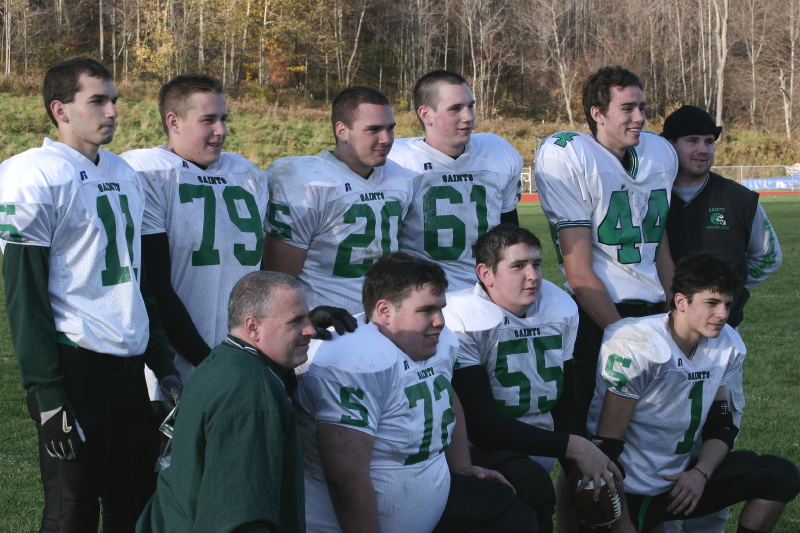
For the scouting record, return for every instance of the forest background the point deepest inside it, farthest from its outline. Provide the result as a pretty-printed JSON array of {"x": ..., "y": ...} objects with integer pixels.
[{"x": 525, "y": 59}]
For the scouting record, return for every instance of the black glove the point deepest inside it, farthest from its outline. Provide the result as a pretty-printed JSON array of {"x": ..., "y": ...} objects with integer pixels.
[
  {"x": 171, "y": 387},
  {"x": 324, "y": 316},
  {"x": 61, "y": 433}
]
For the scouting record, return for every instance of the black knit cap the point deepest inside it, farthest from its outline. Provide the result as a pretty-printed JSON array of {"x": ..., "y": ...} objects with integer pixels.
[{"x": 690, "y": 120}]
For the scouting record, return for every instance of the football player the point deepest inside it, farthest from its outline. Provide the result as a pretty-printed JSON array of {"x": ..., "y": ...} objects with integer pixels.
[
  {"x": 712, "y": 214},
  {"x": 203, "y": 220},
  {"x": 466, "y": 183},
  {"x": 382, "y": 429},
  {"x": 606, "y": 197},
  {"x": 70, "y": 225},
  {"x": 516, "y": 333},
  {"x": 333, "y": 214},
  {"x": 661, "y": 387}
]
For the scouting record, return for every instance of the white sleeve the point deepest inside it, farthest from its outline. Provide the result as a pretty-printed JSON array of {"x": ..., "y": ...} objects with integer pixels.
[
  {"x": 154, "y": 219},
  {"x": 569, "y": 339},
  {"x": 559, "y": 187},
  {"x": 27, "y": 210},
  {"x": 620, "y": 369},
  {"x": 346, "y": 399},
  {"x": 291, "y": 216},
  {"x": 469, "y": 351},
  {"x": 763, "y": 251},
  {"x": 513, "y": 190}
]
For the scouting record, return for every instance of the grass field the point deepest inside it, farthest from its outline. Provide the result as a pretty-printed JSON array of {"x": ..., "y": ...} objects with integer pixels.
[{"x": 772, "y": 377}]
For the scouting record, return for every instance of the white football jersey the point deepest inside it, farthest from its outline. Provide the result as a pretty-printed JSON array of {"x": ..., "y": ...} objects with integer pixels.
[
  {"x": 581, "y": 183},
  {"x": 214, "y": 220},
  {"x": 457, "y": 200},
  {"x": 524, "y": 357},
  {"x": 640, "y": 360},
  {"x": 90, "y": 217},
  {"x": 362, "y": 381},
  {"x": 345, "y": 222}
]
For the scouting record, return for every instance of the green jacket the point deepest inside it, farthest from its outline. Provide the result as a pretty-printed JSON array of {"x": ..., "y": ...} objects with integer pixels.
[{"x": 237, "y": 463}]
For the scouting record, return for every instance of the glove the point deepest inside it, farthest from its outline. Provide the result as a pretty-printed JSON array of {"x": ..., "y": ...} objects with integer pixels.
[
  {"x": 324, "y": 316},
  {"x": 61, "y": 433},
  {"x": 172, "y": 388}
]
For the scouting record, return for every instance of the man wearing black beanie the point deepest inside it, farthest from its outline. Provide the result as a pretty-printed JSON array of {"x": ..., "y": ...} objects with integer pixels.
[{"x": 710, "y": 213}]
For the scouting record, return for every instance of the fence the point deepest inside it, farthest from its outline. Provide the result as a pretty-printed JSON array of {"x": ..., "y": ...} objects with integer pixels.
[{"x": 752, "y": 177}]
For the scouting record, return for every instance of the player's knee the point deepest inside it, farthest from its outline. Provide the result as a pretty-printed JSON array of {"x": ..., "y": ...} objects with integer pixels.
[
  {"x": 783, "y": 475},
  {"x": 533, "y": 485},
  {"x": 519, "y": 518}
]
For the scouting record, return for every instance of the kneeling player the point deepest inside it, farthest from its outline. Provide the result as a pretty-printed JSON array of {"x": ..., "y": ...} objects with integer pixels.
[
  {"x": 660, "y": 387},
  {"x": 382, "y": 430},
  {"x": 514, "y": 375}
]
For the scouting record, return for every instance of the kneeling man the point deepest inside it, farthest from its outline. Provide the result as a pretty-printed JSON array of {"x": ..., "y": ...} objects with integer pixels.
[
  {"x": 660, "y": 387},
  {"x": 382, "y": 429}
]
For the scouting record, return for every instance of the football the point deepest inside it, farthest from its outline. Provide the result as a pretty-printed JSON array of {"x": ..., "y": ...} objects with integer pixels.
[{"x": 602, "y": 512}]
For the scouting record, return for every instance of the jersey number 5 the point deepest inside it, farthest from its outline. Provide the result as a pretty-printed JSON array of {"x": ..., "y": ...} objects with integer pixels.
[
  {"x": 520, "y": 380},
  {"x": 617, "y": 227}
]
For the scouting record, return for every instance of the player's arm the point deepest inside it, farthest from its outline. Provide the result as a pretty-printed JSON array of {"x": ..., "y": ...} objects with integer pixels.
[
  {"x": 282, "y": 257},
  {"x": 177, "y": 322},
  {"x": 457, "y": 453},
  {"x": 615, "y": 417},
  {"x": 763, "y": 251},
  {"x": 589, "y": 289},
  {"x": 510, "y": 218},
  {"x": 158, "y": 355},
  {"x": 32, "y": 326},
  {"x": 719, "y": 433},
  {"x": 665, "y": 269},
  {"x": 345, "y": 456}
]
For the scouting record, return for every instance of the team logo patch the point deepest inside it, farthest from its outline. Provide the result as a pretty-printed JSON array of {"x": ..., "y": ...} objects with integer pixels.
[
  {"x": 717, "y": 218},
  {"x": 405, "y": 364},
  {"x": 680, "y": 361},
  {"x": 185, "y": 164},
  {"x": 84, "y": 175},
  {"x": 347, "y": 187},
  {"x": 427, "y": 166},
  {"x": 507, "y": 321}
]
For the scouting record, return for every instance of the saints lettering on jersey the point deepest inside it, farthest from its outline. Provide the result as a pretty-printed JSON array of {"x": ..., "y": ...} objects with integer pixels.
[
  {"x": 90, "y": 217},
  {"x": 640, "y": 360},
  {"x": 457, "y": 200},
  {"x": 406, "y": 405},
  {"x": 345, "y": 222},
  {"x": 524, "y": 357},
  {"x": 214, "y": 219},
  {"x": 581, "y": 184}
]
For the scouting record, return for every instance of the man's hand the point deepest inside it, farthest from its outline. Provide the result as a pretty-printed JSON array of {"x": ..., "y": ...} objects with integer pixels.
[
  {"x": 324, "y": 316},
  {"x": 485, "y": 473},
  {"x": 172, "y": 388},
  {"x": 61, "y": 433},
  {"x": 687, "y": 491},
  {"x": 594, "y": 465}
]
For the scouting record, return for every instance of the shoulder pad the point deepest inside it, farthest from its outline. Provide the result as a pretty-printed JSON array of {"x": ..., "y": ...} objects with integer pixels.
[
  {"x": 641, "y": 339},
  {"x": 467, "y": 311}
]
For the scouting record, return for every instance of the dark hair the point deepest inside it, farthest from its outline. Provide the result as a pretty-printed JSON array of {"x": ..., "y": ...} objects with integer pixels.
[
  {"x": 252, "y": 295},
  {"x": 174, "y": 95},
  {"x": 62, "y": 81},
  {"x": 597, "y": 90},
  {"x": 395, "y": 276},
  {"x": 426, "y": 90},
  {"x": 491, "y": 246},
  {"x": 704, "y": 271},
  {"x": 346, "y": 103}
]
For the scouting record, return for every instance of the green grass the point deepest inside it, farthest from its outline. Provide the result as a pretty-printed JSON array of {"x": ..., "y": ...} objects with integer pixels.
[{"x": 771, "y": 376}]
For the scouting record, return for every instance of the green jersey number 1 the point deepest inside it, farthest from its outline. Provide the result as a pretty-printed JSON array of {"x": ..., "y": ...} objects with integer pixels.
[
  {"x": 115, "y": 273},
  {"x": 434, "y": 222},
  {"x": 617, "y": 227}
]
